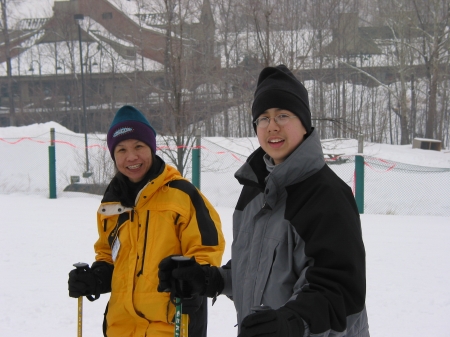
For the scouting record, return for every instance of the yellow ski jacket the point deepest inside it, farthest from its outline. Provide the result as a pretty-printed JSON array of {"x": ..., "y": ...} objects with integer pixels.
[{"x": 171, "y": 217}]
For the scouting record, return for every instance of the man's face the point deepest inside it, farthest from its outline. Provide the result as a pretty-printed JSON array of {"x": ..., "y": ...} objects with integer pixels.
[{"x": 279, "y": 141}]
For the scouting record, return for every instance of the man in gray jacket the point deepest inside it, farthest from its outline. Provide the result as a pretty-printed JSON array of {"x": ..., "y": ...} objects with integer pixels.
[{"x": 298, "y": 258}]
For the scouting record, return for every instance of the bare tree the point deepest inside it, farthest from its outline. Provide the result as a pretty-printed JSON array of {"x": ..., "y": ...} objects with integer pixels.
[
  {"x": 433, "y": 21},
  {"x": 197, "y": 85},
  {"x": 5, "y": 30},
  {"x": 402, "y": 44}
]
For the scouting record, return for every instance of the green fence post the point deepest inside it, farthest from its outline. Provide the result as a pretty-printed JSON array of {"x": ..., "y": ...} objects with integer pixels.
[
  {"x": 52, "y": 164},
  {"x": 359, "y": 179},
  {"x": 196, "y": 160}
]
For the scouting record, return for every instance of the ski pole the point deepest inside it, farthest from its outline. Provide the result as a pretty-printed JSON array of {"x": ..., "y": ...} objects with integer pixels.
[
  {"x": 80, "y": 266},
  {"x": 258, "y": 308},
  {"x": 181, "y": 289}
]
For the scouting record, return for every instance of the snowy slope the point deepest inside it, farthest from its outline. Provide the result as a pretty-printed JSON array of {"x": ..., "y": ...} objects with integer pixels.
[{"x": 408, "y": 258}]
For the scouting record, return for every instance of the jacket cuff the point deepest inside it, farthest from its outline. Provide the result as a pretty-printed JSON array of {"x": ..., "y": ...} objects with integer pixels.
[
  {"x": 213, "y": 282},
  {"x": 227, "y": 284}
]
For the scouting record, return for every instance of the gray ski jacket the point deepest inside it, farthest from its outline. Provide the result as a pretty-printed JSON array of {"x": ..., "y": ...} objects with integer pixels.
[{"x": 297, "y": 238}]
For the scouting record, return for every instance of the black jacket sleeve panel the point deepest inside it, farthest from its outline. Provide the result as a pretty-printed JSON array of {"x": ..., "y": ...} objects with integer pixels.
[
  {"x": 323, "y": 211},
  {"x": 206, "y": 225},
  {"x": 246, "y": 196}
]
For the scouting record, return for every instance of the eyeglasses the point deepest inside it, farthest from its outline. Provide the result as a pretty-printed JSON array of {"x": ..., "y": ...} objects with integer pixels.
[{"x": 281, "y": 119}]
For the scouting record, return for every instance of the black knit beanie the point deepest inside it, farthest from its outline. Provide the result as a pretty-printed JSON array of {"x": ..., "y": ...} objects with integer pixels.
[{"x": 278, "y": 88}]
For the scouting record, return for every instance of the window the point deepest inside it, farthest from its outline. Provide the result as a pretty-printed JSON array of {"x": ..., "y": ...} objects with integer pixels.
[{"x": 107, "y": 16}]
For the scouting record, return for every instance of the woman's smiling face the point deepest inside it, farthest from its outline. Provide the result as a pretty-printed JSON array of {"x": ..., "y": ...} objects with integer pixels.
[{"x": 133, "y": 159}]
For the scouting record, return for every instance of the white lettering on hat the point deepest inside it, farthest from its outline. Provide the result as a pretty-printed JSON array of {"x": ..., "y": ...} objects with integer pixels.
[{"x": 122, "y": 131}]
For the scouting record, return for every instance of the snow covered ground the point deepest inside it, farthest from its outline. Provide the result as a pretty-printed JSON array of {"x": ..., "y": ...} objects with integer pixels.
[{"x": 408, "y": 258}]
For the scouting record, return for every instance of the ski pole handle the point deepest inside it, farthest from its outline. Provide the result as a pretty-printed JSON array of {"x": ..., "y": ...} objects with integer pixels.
[
  {"x": 181, "y": 289},
  {"x": 80, "y": 266},
  {"x": 258, "y": 308}
]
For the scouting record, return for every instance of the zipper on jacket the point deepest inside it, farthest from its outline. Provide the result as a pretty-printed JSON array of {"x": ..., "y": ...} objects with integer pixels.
[{"x": 145, "y": 244}]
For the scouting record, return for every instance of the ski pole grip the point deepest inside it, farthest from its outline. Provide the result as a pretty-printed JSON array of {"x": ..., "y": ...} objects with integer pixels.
[
  {"x": 182, "y": 289},
  {"x": 258, "y": 308},
  {"x": 82, "y": 266}
]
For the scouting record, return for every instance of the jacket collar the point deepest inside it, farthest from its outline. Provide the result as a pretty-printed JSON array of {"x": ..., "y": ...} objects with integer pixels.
[
  {"x": 306, "y": 160},
  {"x": 165, "y": 174}
]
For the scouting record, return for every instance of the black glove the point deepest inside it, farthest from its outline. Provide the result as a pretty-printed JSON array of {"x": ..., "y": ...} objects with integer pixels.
[
  {"x": 282, "y": 322},
  {"x": 191, "y": 305},
  {"x": 91, "y": 281},
  {"x": 167, "y": 283},
  {"x": 198, "y": 280},
  {"x": 166, "y": 266}
]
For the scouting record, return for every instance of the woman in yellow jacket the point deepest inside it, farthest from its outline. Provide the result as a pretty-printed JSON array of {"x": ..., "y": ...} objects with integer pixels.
[{"x": 149, "y": 211}]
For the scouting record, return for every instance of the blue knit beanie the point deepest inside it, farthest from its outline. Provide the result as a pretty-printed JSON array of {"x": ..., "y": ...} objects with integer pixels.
[{"x": 130, "y": 123}]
